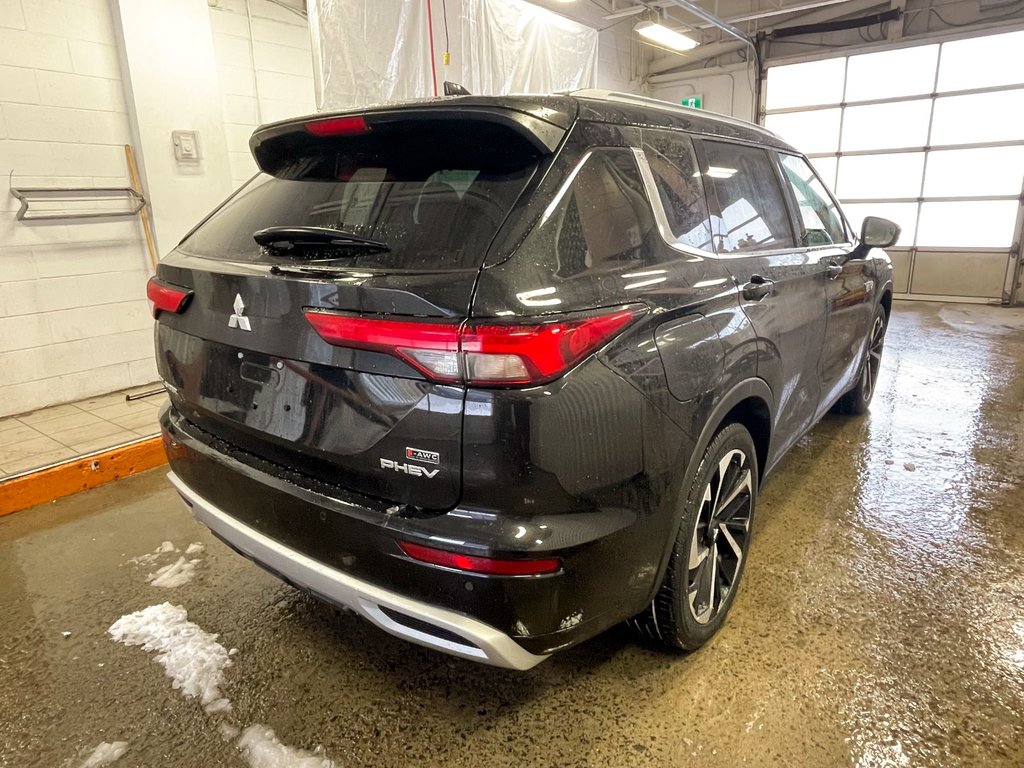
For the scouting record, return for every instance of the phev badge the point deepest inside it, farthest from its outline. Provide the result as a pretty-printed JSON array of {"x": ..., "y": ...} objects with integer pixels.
[{"x": 239, "y": 320}]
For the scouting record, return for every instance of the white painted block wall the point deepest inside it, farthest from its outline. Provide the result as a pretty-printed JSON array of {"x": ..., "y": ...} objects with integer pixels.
[
  {"x": 74, "y": 321},
  {"x": 277, "y": 85},
  {"x": 725, "y": 90},
  {"x": 618, "y": 59}
]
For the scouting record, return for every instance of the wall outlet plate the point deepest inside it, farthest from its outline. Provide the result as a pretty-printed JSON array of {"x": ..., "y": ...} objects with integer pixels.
[{"x": 186, "y": 146}]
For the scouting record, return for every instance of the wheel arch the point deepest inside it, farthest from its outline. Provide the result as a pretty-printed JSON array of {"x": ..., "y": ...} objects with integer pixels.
[
  {"x": 886, "y": 301},
  {"x": 750, "y": 403}
]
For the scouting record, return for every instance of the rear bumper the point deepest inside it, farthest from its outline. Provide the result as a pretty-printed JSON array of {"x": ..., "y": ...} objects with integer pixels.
[
  {"x": 459, "y": 635},
  {"x": 350, "y": 539}
]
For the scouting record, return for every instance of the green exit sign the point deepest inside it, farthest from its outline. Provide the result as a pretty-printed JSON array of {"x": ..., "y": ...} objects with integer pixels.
[{"x": 694, "y": 101}]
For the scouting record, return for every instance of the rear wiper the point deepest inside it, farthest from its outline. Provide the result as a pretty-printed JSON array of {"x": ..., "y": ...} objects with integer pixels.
[{"x": 287, "y": 238}]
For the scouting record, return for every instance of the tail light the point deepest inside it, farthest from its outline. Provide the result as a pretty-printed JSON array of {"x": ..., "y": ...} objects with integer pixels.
[
  {"x": 164, "y": 297},
  {"x": 490, "y": 566},
  {"x": 477, "y": 353}
]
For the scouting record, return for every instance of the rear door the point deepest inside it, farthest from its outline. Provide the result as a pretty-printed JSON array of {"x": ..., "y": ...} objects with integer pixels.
[
  {"x": 402, "y": 213},
  {"x": 850, "y": 285},
  {"x": 782, "y": 285}
]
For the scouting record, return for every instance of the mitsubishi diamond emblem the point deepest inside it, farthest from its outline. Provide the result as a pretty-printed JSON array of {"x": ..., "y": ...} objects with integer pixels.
[{"x": 238, "y": 320}]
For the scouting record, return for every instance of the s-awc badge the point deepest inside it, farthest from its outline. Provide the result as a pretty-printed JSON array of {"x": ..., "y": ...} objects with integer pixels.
[{"x": 428, "y": 457}]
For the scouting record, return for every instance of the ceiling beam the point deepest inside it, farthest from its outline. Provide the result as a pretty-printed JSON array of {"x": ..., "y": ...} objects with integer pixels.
[{"x": 780, "y": 11}]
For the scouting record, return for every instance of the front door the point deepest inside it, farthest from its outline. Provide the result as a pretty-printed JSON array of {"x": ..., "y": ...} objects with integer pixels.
[{"x": 849, "y": 286}]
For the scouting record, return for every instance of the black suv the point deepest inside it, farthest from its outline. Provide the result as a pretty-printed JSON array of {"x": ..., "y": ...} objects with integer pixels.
[{"x": 500, "y": 372}]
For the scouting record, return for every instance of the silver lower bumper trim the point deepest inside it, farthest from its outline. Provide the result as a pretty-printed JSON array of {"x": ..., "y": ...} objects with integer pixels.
[{"x": 483, "y": 643}]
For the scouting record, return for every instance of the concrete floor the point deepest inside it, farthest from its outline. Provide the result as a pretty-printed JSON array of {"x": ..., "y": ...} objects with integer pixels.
[{"x": 881, "y": 619}]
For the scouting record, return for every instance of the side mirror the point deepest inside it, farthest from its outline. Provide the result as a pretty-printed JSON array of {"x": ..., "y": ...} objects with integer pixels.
[{"x": 877, "y": 232}]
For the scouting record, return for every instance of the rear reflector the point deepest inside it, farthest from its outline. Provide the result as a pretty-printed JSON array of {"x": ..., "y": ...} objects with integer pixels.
[
  {"x": 484, "y": 354},
  {"x": 338, "y": 126},
  {"x": 166, "y": 298},
  {"x": 485, "y": 565}
]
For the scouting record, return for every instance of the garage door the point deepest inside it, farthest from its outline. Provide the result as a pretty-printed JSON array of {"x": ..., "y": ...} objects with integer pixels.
[{"x": 930, "y": 136}]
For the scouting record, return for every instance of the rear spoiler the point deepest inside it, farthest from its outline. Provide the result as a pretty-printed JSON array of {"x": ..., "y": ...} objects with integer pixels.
[{"x": 274, "y": 145}]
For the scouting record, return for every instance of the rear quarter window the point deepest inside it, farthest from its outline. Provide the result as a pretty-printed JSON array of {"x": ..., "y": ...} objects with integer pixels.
[
  {"x": 600, "y": 220},
  {"x": 677, "y": 176}
]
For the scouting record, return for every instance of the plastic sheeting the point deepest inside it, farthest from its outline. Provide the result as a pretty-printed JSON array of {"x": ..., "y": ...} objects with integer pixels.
[{"x": 367, "y": 53}]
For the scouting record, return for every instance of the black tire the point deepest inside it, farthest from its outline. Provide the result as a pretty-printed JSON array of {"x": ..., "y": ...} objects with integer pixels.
[
  {"x": 856, "y": 401},
  {"x": 692, "y": 603}
]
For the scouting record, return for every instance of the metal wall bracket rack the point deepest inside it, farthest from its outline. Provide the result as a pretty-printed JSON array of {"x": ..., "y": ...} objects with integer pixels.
[{"x": 72, "y": 198}]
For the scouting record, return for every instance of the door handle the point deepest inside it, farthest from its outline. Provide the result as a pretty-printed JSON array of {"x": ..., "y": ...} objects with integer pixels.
[
  {"x": 758, "y": 287},
  {"x": 833, "y": 270}
]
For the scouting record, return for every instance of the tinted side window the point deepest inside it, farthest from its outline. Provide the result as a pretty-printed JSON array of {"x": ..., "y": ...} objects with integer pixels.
[
  {"x": 748, "y": 211},
  {"x": 677, "y": 176},
  {"x": 601, "y": 222},
  {"x": 819, "y": 219}
]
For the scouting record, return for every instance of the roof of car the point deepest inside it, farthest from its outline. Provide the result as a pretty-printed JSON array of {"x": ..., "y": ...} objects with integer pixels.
[
  {"x": 616, "y": 107},
  {"x": 591, "y": 104}
]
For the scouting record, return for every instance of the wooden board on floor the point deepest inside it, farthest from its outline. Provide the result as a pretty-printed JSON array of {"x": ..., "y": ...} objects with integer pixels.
[{"x": 44, "y": 485}]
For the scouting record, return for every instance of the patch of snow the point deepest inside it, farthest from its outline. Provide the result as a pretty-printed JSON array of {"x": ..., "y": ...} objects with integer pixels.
[
  {"x": 227, "y": 731},
  {"x": 66, "y": 634},
  {"x": 194, "y": 548},
  {"x": 151, "y": 557},
  {"x": 262, "y": 749},
  {"x": 105, "y": 753},
  {"x": 175, "y": 574},
  {"x": 192, "y": 658}
]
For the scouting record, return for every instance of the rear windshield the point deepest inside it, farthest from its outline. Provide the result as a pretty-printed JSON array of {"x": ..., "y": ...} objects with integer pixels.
[{"x": 434, "y": 193}]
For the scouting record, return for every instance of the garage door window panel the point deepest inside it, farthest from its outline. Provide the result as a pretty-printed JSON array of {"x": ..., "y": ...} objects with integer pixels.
[
  {"x": 805, "y": 84},
  {"x": 963, "y": 224},
  {"x": 748, "y": 211},
  {"x": 826, "y": 168},
  {"x": 888, "y": 74},
  {"x": 981, "y": 62},
  {"x": 886, "y": 126},
  {"x": 985, "y": 171},
  {"x": 979, "y": 117},
  {"x": 895, "y": 174},
  {"x": 904, "y": 214},
  {"x": 813, "y": 131}
]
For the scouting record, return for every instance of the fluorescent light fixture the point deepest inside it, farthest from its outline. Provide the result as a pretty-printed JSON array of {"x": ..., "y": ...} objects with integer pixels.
[{"x": 661, "y": 35}]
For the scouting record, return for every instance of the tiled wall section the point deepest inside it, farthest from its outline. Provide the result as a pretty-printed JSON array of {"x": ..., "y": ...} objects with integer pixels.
[
  {"x": 73, "y": 315},
  {"x": 617, "y": 58},
  {"x": 277, "y": 86}
]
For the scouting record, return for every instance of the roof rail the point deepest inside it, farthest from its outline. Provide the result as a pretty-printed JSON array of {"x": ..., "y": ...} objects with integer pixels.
[{"x": 646, "y": 101}]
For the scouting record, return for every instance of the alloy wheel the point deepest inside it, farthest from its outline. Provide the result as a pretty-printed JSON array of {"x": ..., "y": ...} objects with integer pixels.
[
  {"x": 873, "y": 361},
  {"x": 719, "y": 541}
]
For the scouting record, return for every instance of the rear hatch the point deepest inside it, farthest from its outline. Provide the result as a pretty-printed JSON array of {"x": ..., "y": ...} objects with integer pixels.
[{"x": 371, "y": 227}]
